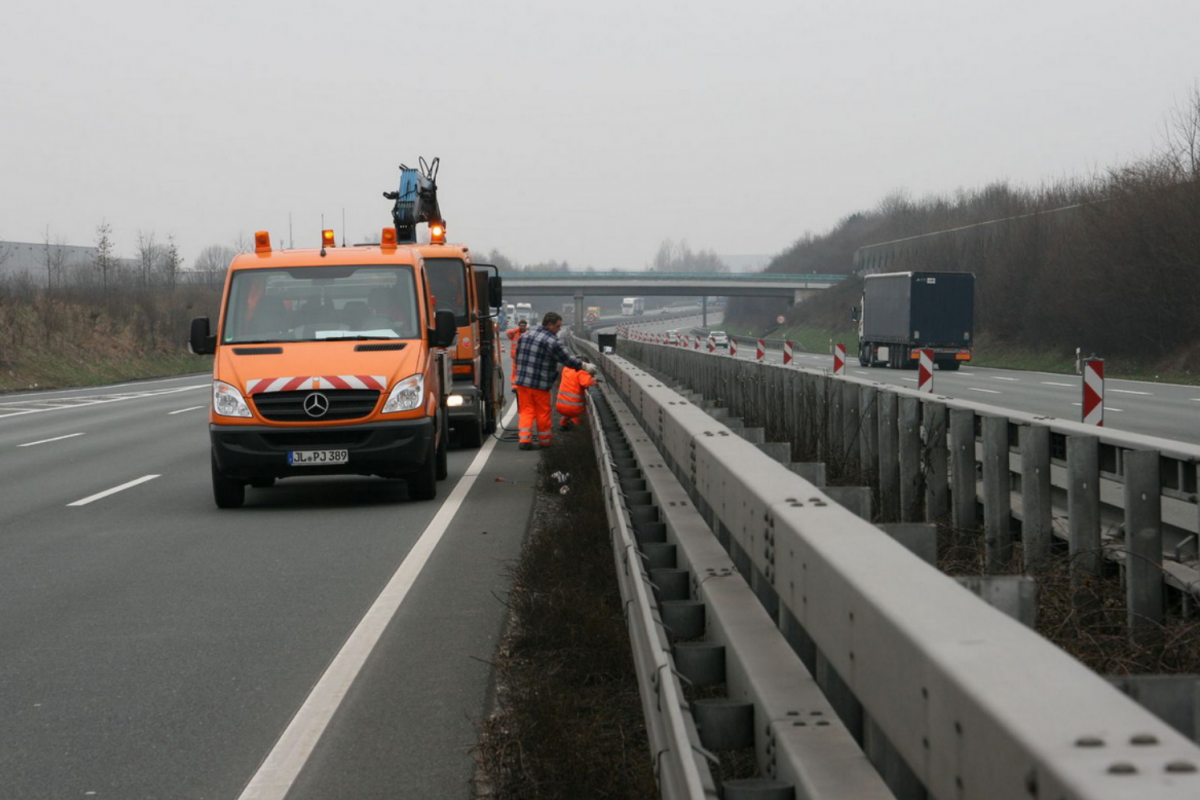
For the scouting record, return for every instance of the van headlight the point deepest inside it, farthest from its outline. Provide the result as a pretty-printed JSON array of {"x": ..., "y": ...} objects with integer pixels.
[
  {"x": 228, "y": 401},
  {"x": 407, "y": 395}
]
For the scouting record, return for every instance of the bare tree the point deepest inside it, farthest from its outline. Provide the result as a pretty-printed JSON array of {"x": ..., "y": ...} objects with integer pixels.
[
  {"x": 54, "y": 256},
  {"x": 105, "y": 262},
  {"x": 149, "y": 255},
  {"x": 171, "y": 262},
  {"x": 1182, "y": 137}
]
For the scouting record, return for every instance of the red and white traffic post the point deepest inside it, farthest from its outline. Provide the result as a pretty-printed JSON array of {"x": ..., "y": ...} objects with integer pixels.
[
  {"x": 712, "y": 344},
  {"x": 1093, "y": 392},
  {"x": 761, "y": 352},
  {"x": 925, "y": 372},
  {"x": 733, "y": 346},
  {"x": 839, "y": 359},
  {"x": 787, "y": 353}
]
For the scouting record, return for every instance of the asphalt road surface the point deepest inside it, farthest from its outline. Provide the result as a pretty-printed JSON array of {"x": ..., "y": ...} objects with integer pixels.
[{"x": 330, "y": 639}]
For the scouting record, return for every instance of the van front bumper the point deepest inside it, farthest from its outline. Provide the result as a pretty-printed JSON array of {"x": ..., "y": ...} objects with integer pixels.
[{"x": 389, "y": 449}]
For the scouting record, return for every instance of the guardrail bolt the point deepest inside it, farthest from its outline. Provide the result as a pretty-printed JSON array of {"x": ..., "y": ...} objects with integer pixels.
[
  {"x": 1181, "y": 766},
  {"x": 1122, "y": 768},
  {"x": 1144, "y": 739},
  {"x": 1089, "y": 741}
]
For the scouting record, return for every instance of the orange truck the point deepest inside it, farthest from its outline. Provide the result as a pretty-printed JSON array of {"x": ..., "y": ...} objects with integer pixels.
[
  {"x": 476, "y": 391},
  {"x": 328, "y": 362}
]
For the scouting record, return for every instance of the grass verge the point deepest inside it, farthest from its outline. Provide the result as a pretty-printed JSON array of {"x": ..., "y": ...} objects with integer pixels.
[{"x": 569, "y": 718}]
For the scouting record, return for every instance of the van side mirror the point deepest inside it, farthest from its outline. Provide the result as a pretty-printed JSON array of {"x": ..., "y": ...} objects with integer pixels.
[
  {"x": 201, "y": 342},
  {"x": 445, "y": 328}
]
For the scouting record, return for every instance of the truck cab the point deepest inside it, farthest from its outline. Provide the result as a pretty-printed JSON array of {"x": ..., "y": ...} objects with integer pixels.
[{"x": 327, "y": 362}]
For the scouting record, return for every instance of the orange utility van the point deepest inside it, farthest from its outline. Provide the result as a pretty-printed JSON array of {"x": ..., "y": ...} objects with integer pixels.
[{"x": 328, "y": 361}]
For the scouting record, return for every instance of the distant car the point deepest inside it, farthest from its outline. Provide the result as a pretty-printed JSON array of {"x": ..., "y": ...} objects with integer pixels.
[
  {"x": 672, "y": 337},
  {"x": 719, "y": 339},
  {"x": 664, "y": 310}
]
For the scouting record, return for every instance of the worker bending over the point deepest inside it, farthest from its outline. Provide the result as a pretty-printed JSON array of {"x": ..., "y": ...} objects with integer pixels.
[
  {"x": 537, "y": 353},
  {"x": 570, "y": 403}
]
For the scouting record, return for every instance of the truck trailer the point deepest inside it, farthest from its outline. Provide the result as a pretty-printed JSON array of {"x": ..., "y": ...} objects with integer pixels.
[{"x": 903, "y": 313}]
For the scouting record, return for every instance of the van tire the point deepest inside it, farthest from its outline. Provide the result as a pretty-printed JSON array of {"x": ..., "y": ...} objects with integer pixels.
[
  {"x": 422, "y": 484},
  {"x": 471, "y": 435},
  {"x": 227, "y": 492}
]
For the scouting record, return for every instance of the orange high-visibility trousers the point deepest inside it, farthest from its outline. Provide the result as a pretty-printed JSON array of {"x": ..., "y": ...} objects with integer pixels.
[
  {"x": 533, "y": 407},
  {"x": 570, "y": 402}
]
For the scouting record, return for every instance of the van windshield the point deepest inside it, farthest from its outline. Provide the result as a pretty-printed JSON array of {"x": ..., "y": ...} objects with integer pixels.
[{"x": 305, "y": 304}]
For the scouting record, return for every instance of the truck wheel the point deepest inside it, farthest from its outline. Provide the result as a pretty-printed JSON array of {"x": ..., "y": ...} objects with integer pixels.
[
  {"x": 442, "y": 458},
  {"x": 227, "y": 492},
  {"x": 422, "y": 485},
  {"x": 471, "y": 434}
]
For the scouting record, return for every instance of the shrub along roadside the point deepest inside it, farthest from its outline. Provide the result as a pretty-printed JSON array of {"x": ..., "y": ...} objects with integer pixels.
[{"x": 569, "y": 718}]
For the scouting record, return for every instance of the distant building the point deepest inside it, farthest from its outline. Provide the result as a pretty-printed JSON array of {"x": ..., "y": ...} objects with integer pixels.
[{"x": 23, "y": 257}]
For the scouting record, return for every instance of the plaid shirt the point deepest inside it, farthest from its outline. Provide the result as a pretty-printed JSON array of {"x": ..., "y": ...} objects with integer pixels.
[{"x": 537, "y": 352}]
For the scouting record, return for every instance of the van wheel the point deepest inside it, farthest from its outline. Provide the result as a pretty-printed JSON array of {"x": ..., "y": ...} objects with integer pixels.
[
  {"x": 442, "y": 459},
  {"x": 227, "y": 492},
  {"x": 422, "y": 485}
]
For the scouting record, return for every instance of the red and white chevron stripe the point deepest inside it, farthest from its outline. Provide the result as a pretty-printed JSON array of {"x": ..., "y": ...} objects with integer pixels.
[
  {"x": 295, "y": 384},
  {"x": 1093, "y": 392}
]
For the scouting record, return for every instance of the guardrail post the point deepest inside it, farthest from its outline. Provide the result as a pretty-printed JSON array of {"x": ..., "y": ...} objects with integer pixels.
[
  {"x": 869, "y": 433},
  {"x": 851, "y": 427},
  {"x": 937, "y": 456},
  {"x": 1083, "y": 511},
  {"x": 889, "y": 457},
  {"x": 962, "y": 467},
  {"x": 910, "y": 459},
  {"x": 836, "y": 432},
  {"x": 997, "y": 509},
  {"x": 1143, "y": 539},
  {"x": 1035, "y": 496}
]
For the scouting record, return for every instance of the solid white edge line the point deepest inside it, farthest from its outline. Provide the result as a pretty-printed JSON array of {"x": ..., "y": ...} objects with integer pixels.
[
  {"x": 113, "y": 490},
  {"x": 282, "y": 765},
  {"x": 47, "y": 441}
]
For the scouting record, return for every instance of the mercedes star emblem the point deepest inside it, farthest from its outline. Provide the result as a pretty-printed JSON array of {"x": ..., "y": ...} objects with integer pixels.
[{"x": 316, "y": 405}]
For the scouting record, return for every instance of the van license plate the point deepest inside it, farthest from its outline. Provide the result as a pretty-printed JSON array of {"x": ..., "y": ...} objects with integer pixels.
[{"x": 317, "y": 458}]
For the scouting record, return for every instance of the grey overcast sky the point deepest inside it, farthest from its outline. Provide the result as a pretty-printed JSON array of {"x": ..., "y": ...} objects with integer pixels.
[{"x": 585, "y": 132}]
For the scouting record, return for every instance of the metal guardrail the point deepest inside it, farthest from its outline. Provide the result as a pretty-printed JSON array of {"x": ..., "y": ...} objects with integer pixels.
[
  {"x": 972, "y": 702},
  {"x": 971, "y": 438}
]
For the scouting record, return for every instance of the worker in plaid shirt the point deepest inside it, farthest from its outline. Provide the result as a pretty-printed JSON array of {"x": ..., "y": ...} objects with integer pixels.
[{"x": 538, "y": 352}]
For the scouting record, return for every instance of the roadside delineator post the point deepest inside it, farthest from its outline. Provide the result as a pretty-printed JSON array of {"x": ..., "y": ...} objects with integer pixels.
[
  {"x": 761, "y": 352},
  {"x": 925, "y": 372},
  {"x": 839, "y": 359},
  {"x": 695, "y": 342},
  {"x": 712, "y": 344},
  {"x": 787, "y": 353},
  {"x": 733, "y": 347},
  {"x": 1093, "y": 392}
]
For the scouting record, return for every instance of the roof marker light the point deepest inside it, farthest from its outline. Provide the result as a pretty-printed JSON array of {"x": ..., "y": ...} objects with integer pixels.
[
  {"x": 437, "y": 232},
  {"x": 327, "y": 239},
  {"x": 388, "y": 238},
  {"x": 262, "y": 242}
]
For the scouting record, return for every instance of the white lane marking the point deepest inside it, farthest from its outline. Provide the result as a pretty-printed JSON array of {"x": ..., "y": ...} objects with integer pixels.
[
  {"x": 113, "y": 490},
  {"x": 1128, "y": 391},
  {"x": 998, "y": 378},
  {"x": 182, "y": 410},
  {"x": 40, "y": 406},
  {"x": 1106, "y": 408},
  {"x": 1052, "y": 383},
  {"x": 989, "y": 391},
  {"x": 281, "y": 766},
  {"x": 47, "y": 441}
]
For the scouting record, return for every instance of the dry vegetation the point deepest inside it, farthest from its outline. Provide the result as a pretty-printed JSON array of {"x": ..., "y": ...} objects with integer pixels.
[
  {"x": 569, "y": 721},
  {"x": 81, "y": 336}
]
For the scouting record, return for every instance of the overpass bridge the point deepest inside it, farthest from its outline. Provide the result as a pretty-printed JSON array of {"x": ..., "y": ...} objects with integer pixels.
[{"x": 580, "y": 285}]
